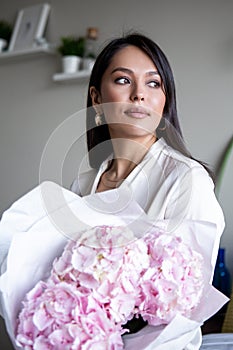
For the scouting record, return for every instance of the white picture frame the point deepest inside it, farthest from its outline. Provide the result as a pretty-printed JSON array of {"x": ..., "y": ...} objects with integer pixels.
[{"x": 29, "y": 27}]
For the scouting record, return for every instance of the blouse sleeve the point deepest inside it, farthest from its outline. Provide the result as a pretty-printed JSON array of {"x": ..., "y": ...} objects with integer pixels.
[{"x": 193, "y": 198}]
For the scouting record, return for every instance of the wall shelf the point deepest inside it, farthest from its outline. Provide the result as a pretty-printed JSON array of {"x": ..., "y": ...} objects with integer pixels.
[
  {"x": 35, "y": 51},
  {"x": 47, "y": 49},
  {"x": 80, "y": 75}
]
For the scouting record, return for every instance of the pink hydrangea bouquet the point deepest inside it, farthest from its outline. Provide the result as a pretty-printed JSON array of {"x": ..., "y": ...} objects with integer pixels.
[{"x": 105, "y": 279}]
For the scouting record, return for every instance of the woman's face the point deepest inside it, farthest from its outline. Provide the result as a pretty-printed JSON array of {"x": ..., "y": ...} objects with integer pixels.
[{"x": 131, "y": 94}]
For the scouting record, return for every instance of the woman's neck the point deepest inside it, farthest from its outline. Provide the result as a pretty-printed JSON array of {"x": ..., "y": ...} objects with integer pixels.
[{"x": 128, "y": 153}]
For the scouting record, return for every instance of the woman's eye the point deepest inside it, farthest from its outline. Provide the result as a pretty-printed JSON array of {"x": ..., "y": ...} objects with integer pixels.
[
  {"x": 154, "y": 84},
  {"x": 122, "y": 80}
]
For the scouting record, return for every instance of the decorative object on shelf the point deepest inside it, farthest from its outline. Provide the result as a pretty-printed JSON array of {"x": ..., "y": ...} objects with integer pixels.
[
  {"x": 3, "y": 44},
  {"x": 88, "y": 63},
  {"x": 72, "y": 49},
  {"x": 29, "y": 27},
  {"x": 90, "y": 48},
  {"x": 5, "y": 34},
  {"x": 70, "y": 64}
]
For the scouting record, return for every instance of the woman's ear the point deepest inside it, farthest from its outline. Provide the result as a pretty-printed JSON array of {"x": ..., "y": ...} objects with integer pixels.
[{"x": 96, "y": 100}]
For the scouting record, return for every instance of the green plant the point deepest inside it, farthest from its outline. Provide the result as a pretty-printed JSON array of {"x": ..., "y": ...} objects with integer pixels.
[
  {"x": 5, "y": 30},
  {"x": 72, "y": 45}
]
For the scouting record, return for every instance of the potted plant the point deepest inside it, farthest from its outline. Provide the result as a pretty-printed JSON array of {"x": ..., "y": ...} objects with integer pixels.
[
  {"x": 72, "y": 49},
  {"x": 5, "y": 34}
]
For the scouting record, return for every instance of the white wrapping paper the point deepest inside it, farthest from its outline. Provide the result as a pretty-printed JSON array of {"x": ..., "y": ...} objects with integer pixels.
[{"x": 36, "y": 228}]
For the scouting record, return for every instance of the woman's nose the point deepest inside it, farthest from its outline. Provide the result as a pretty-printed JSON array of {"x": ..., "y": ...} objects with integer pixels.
[
  {"x": 137, "y": 94},
  {"x": 138, "y": 97}
]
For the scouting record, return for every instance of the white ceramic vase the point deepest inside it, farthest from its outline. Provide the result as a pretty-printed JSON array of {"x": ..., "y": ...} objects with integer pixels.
[
  {"x": 3, "y": 44},
  {"x": 71, "y": 64},
  {"x": 88, "y": 63}
]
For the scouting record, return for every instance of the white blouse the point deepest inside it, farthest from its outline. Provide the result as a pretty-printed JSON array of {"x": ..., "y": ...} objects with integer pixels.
[{"x": 167, "y": 185}]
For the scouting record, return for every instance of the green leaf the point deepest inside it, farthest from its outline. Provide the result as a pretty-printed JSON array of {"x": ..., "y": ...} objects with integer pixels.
[{"x": 72, "y": 45}]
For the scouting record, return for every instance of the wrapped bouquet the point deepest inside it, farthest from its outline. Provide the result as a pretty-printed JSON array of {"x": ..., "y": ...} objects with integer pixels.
[
  {"x": 86, "y": 276},
  {"x": 102, "y": 281}
]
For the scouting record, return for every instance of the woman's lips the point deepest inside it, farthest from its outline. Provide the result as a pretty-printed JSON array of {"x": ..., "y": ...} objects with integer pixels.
[{"x": 138, "y": 113}]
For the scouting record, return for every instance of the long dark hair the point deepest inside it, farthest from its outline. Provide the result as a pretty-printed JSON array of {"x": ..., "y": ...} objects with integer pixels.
[{"x": 98, "y": 138}]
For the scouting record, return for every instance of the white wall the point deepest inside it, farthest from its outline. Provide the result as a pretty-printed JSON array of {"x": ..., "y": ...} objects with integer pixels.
[{"x": 197, "y": 37}]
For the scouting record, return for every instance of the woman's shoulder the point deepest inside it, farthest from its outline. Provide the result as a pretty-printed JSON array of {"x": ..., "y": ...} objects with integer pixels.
[
  {"x": 178, "y": 160},
  {"x": 176, "y": 166}
]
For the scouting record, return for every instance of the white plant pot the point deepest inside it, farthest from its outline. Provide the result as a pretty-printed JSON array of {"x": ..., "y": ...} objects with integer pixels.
[
  {"x": 3, "y": 44},
  {"x": 70, "y": 64}
]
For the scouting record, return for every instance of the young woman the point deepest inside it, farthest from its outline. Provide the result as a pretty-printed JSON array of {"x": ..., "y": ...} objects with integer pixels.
[
  {"x": 134, "y": 139},
  {"x": 138, "y": 139},
  {"x": 135, "y": 145}
]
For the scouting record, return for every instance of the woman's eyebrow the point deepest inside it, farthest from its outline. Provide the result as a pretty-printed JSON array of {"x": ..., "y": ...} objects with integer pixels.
[
  {"x": 154, "y": 72},
  {"x": 122, "y": 69},
  {"x": 129, "y": 71}
]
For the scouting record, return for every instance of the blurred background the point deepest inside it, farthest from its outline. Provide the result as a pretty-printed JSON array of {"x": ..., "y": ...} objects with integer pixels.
[{"x": 196, "y": 36}]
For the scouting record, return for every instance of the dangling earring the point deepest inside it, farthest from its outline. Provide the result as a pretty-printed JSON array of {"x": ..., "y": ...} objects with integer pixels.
[{"x": 98, "y": 119}]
